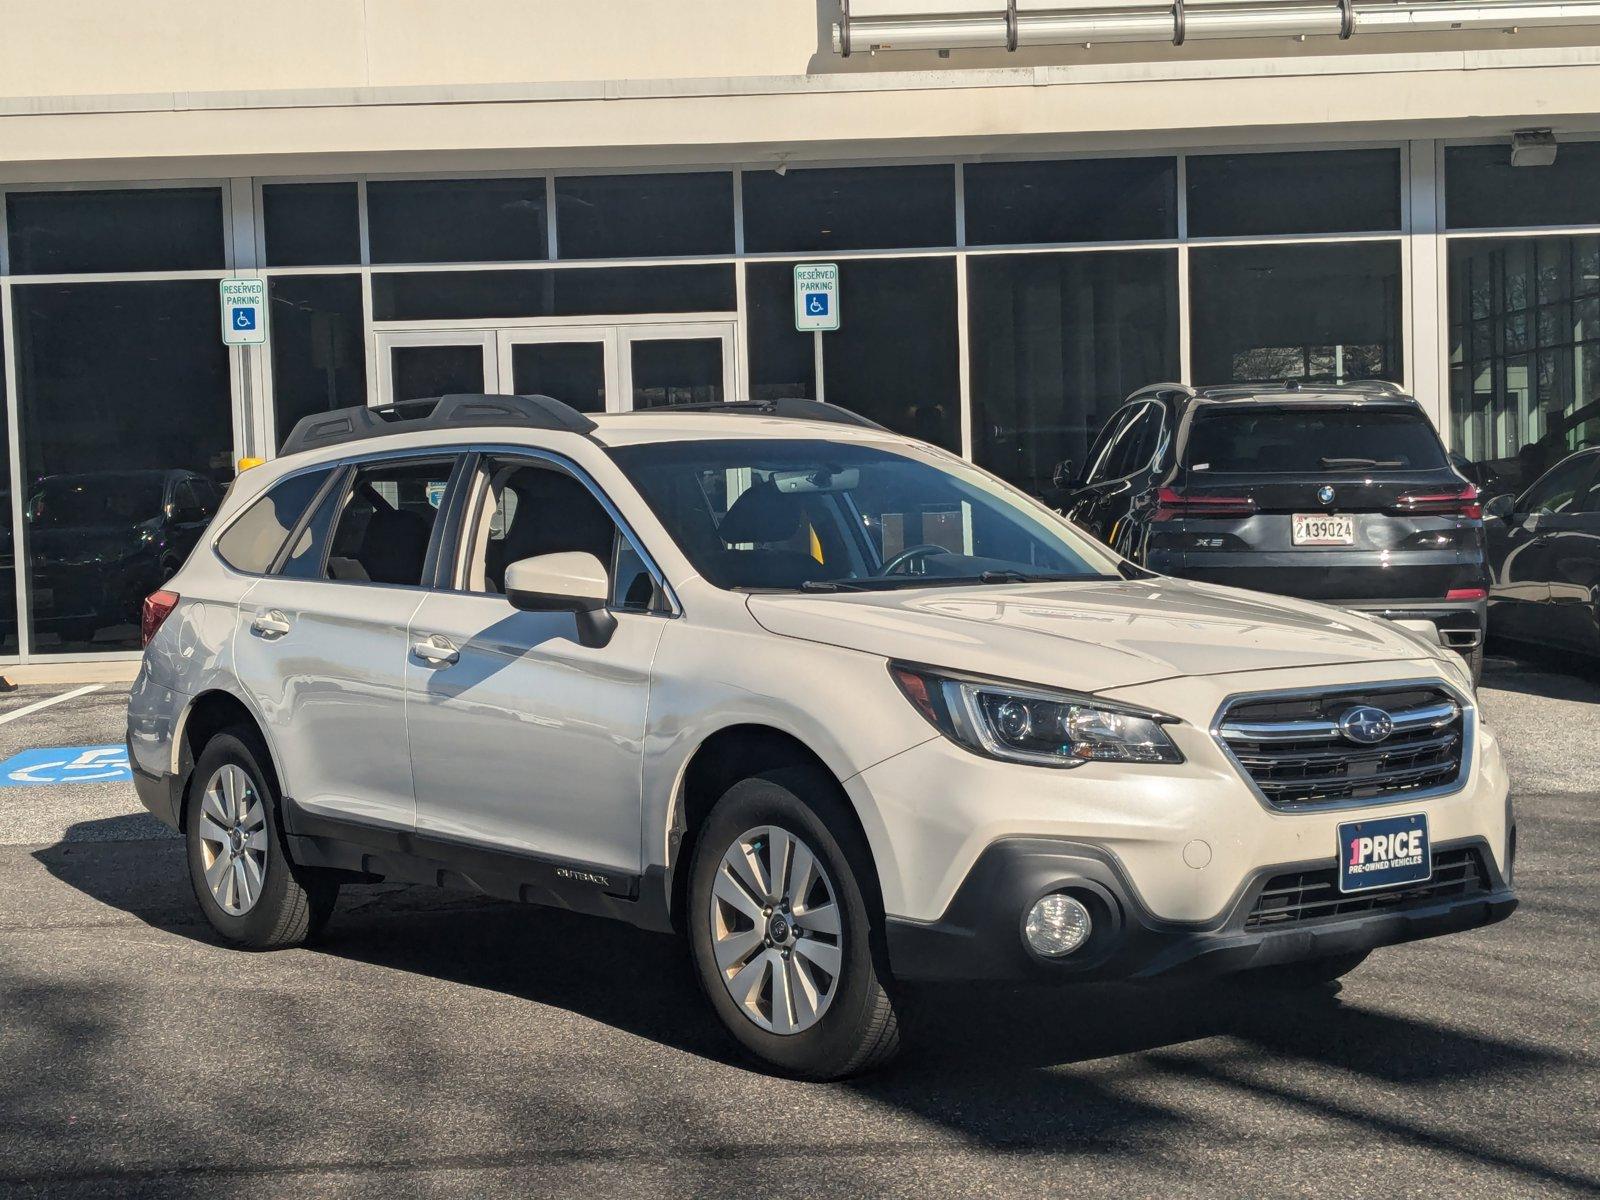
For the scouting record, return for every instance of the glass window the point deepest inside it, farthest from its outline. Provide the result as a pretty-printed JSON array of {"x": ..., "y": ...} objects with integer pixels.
[
  {"x": 134, "y": 229},
  {"x": 637, "y": 216},
  {"x": 1560, "y": 488},
  {"x": 421, "y": 372},
  {"x": 1524, "y": 354},
  {"x": 676, "y": 371},
  {"x": 253, "y": 541},
  {"x": 456, "y": 220},
  {"x": 1323, "y": 313},
  {"x": 849, "y": 208},
  {"x": 1304, "y": 440},
  {"x": 1325, "y": 191},
  {"x": 1484, "y": 191},
  {"x": 538, "y": 510},
  {"x": 122, "y": 389},
  {"x": 571, "y": 372},
  {"x": 792, "y": 514},
  {"x": 319, "y": 359},
  {"x": 386, "y": 522},
  {"x": 581, "y": 292},
  {"x": 1136, "y": 444},
  {"x": 8, "y": 558},
  {"x": 783, "y": 363},
  {"x": 1058, "y": 342},
  {"x": 1072, "y": 200},
  {"x": 311, "y": 224},
  {"x": 895, "y": 358}
]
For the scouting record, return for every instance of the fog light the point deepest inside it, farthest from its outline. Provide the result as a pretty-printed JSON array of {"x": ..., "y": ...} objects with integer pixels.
[{"x": 1057, "y": 925}]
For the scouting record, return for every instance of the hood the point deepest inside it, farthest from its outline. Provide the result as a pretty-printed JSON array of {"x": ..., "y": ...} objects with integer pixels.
[
  {"x": 1087, "y": 636},
  {"x": 88, "y": 543}
]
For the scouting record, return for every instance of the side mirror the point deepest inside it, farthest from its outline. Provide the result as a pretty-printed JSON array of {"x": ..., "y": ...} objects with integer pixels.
[
  {"x": 1501, "y": 506},
  {"x": 571, "y": 581},
  {"x": 1065, "y": 476}
]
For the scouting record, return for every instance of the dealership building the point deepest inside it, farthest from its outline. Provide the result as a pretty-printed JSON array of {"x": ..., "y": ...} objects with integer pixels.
[{"x": 1034, "y": 207}]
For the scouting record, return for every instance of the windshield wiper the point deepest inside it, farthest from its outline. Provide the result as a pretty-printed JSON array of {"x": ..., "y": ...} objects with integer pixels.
[{"x": 1357, "y": 464}]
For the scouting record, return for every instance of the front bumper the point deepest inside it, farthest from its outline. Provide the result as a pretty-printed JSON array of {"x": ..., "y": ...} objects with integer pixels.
[{"x": 980, "y": 935}]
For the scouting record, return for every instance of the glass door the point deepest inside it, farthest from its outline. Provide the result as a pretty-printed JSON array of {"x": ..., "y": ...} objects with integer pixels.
[
  {"x": 414, "y": 365},
  {"x": 689, "y": 363},
  {"x": 577, "y": 366}
]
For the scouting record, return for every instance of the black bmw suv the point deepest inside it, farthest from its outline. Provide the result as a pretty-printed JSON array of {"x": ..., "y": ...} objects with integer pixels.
[{"x": 1337, "y": 493}]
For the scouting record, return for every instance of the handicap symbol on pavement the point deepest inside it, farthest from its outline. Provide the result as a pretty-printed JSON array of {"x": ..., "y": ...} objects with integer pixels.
[
  {"x": 816, "y": 304},
  {"x": 244, "y": 318},
  {"x": 66, "y": 764}
]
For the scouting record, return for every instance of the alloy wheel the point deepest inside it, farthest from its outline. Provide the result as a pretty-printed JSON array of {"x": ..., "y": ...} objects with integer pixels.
[
  {"x": 233, "y": 840},
  {"x": 776, "y": 930}
]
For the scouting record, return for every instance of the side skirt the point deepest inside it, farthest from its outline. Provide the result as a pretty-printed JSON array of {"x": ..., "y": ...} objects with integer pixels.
[{"x": 371, "y": 849}]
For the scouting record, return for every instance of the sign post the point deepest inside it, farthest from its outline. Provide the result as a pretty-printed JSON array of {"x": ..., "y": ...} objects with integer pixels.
[
  {"x": 244, "y": 311},
  {"x": 816, "y": 306}
]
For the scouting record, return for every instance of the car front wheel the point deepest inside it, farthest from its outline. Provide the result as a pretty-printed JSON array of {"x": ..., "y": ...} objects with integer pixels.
[{"x": 783, "y": 935}]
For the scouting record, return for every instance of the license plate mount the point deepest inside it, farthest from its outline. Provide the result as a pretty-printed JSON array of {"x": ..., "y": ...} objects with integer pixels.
[
  {"x": 1384, "y": 851},
  {"x": 1323, "y": 529}
]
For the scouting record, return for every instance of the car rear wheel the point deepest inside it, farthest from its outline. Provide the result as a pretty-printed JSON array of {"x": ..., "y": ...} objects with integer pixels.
[
  {"x": 249, "y": 890},
  {"x": 785, "y": 940}
]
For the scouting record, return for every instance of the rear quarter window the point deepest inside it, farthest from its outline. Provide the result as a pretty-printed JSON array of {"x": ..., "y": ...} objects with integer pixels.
[
  {"x": 1299, "y": 441},
  {"x": 252, "y": 542}
]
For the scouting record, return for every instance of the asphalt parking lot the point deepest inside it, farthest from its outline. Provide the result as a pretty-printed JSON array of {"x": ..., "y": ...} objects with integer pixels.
[{"x": 436, "y": 1043}]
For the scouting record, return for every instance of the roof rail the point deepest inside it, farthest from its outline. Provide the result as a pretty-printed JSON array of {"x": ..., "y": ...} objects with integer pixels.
[
  {"x": 1160, "y": 390},
  {"x": 1290, "y": 387},
  {"x": 456, "y": 411},
  {"x": 792, "y": 408}
]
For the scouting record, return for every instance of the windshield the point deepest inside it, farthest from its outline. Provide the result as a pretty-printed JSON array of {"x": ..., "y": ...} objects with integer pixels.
[
  {"x": 118, "y": 500},
  {"x": 1258, "y": 439},
  {"x": 823, "y": 516}
]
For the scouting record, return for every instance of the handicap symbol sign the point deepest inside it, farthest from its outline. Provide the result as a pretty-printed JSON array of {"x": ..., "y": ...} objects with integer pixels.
[
  {"x": 244, "y": 318},
  {"x": 66, "y": 764},
  {"x": 817, "y": 304}
]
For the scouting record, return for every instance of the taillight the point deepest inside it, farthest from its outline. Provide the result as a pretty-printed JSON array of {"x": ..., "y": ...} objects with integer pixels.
[
  {"x": 158, "y": 607},
  {"x": 1462, "y": 503},
  {"x": 1467, "y": 594},
  {"x": 1173, "y": 505}
]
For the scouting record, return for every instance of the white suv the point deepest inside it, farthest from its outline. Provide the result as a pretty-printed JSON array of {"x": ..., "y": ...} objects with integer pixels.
[{"x": 838, "y": 705}]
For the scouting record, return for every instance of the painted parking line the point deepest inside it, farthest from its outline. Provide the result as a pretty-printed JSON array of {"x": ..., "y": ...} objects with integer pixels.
[
  {"x": 66, "y": 764},
  {"x": 27, "y": 709}
]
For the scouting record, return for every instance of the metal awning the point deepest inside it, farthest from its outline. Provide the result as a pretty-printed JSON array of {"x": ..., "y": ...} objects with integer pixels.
[{"x": 1011, "y": 24}]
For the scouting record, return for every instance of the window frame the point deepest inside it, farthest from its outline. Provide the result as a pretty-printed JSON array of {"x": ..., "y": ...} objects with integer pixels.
[
  {"x": 470, "y": 509},
  {"x": 1580, "y": 490}
]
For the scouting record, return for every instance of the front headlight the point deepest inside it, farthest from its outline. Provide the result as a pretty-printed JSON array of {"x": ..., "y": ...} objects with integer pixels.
[{"x": 1035, "y": 725}]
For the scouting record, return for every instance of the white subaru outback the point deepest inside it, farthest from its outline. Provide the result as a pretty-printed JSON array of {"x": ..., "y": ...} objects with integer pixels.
[{"x": 839, "y": 706}]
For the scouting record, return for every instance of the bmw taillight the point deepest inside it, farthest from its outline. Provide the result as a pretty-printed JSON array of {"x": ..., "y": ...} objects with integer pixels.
[
  {"x": 1455, "y": 503},
  {"x": 158, "y": 607},
  {"x": 1174, "y": 505},
  {"x": 1467, "y": 593}
]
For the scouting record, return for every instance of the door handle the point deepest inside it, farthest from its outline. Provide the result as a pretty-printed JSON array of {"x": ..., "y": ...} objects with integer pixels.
[
  {"x": 271, "y": 624},
  {"x": 436, "y": 651}
]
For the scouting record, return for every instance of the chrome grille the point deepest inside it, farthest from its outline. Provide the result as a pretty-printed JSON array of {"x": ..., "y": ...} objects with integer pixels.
[
  {"x": 1293, "y": 748},
  {"x": 1311, "y": 895}
]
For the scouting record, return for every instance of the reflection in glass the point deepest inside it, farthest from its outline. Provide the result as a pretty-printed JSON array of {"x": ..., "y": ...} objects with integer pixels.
[
  {"x": 127, "y": 432},
  {"x": 571, "y": 372},
  {"x": 319, "y": 360},
  {"x": 8, "y": 558},
  {"x": 106, "y": 229},
  {"x": 1484, "y": 191},
  {"x": 591, "y": 291},
  {"x": 783, "y": 363},
  {"x": 1524, "y": 354},
  {"x": 1070, "y": 200},
  {"x": 676, "y": 371},
  {"x": 1303, "y": 191},
  {"x": 311, "y": 224},
  {"x": 1058, "y": 342},
  {"x": 636, "y": 216},
  {"x": 422, "y": 372},
  {"x": 1322, "y": 313},
  {"x": 456, "y": 220},
  {"x": 850, "y": 208}
]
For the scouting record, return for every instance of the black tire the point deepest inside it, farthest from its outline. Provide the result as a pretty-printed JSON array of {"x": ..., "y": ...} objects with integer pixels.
[
  {"x": 1310, "y": 973},
  {"x": 860, "y": 1030},
  {"x": 1474, "y": 659},
  {"x": 293, "y": 903}
]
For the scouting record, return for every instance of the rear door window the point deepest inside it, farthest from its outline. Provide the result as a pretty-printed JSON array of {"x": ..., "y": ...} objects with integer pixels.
[
  {"x": 385, "y": 523},
  {"x": 1262, "y": 440},
  {"x": 252, "y": 542},
  {"x": 1562, "y": 487}
]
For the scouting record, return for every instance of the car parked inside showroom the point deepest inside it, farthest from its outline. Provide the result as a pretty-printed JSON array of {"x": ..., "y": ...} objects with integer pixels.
[
  {"x": 845, "y": 710},
  {"x": 1341, "y": 493},
  {"x": 1544, "y": 555}
]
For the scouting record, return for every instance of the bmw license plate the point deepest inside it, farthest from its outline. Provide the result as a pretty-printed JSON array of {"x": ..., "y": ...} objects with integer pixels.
[
  {"x": 1384, "y": 852},
  {"x": 1323, "y": 529}
]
